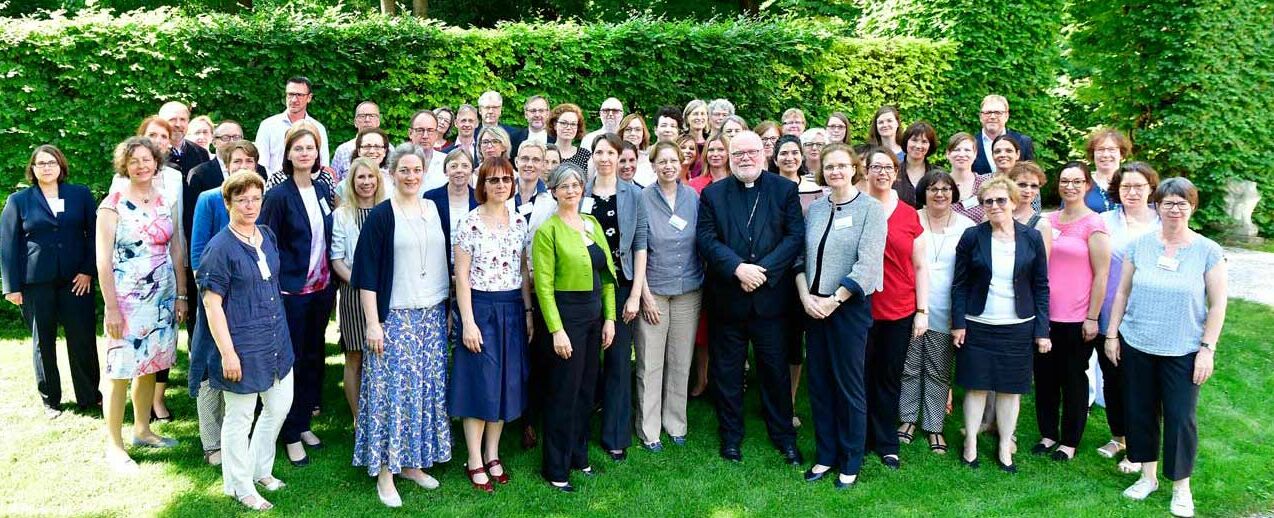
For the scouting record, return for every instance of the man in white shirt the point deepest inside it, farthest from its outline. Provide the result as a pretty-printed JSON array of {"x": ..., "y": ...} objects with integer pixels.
[
  {"x": 271, "y": 133},
  {"x": 366, "y": 115},
  {"x": 994, "y": 117},
  {"x": 611, "y": 113},
  {"x": 422, "y": 132}
]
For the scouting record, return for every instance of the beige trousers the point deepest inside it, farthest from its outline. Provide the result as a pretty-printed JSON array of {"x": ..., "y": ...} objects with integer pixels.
[{"x": 664, "y": 351}]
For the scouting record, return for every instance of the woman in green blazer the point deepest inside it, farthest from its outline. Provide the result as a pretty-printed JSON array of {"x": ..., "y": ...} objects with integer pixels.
[{"x": 575, "y": 285}]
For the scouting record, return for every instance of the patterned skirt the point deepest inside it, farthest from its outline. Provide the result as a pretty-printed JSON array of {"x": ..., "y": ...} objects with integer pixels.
[
  {"x": 349, "y": 316},
  {"x": 402, "y": 406},
  {"x": 146, "y": 303}
]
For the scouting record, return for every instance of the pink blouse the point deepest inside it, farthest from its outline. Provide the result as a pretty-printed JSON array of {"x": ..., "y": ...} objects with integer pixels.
[{"x": 1070, "y": 272}]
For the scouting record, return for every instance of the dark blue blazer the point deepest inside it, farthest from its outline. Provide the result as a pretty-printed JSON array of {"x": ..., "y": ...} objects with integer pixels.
[
  {"x": 374, "y": 255},
  {"x": 983, "y": 165},
  {"x": 203, "y": 177},
  {"x": 773, "y": 242},
  {"x": 188, "y": 155},
  {"x": 284, "y": 212},
  {"x": 973, "y": 276},
  {"x": 36, "y": 247},
  {"x": 439, "y": 197}
]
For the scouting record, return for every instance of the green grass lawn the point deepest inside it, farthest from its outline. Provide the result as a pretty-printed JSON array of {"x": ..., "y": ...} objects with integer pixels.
[{"x": 52, "y": 467}]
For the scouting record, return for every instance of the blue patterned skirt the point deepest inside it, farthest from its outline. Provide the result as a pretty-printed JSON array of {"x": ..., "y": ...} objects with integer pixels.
[
  {"x": 402, "y": 406},
  {"x": 491, "y": 384}
]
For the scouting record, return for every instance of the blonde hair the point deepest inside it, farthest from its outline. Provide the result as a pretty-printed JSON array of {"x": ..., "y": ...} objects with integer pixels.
[
  {"x": 1000, "y": 182},
  {"x": 349, "y": 198}
]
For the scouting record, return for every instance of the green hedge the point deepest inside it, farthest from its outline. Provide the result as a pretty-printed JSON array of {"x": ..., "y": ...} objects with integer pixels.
[
  {"x": 1192, "y": 83},
  {"x": 84, "y": 83}
]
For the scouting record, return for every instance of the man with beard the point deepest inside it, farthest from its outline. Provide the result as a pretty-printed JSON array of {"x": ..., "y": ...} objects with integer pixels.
[
  {"x": 611, "y": 112},
  {"x": 750, "y": 233},
  {"x": 536, "y": 111}
]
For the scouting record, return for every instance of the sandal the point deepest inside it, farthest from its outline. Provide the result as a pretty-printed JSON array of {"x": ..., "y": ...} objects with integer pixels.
[
  {"x": 1128, "y": 467},
  {"x": 256, "y": 503},
  {"x": 271, "y": 484},
  {"x": 503, "y": 477},
  {"x": 905, "y": 433},
  {"x": 481, "y": 486},
  {"x": 937, "y": 443},
  {"x": 1110, "y": 449}
]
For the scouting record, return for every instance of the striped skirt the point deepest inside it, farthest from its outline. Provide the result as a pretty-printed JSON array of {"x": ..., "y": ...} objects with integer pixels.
[{"x": 349, "y": 314}]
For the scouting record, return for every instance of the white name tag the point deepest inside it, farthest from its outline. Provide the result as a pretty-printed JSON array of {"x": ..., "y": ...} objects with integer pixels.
[
  {"x": 1057, "y": 232},
  {"x": 1168, "y": 263},
  {"x": 970, "y": 202},
  {"x": 525, "y": 208},
  {"x": 263, "y": 265},
  {"x": 324, "y": 207},
  {"x": 587, "y": 207},
  {"x": 58, "y": 205},
  {"x": 677, "y": 222},
  {"x": 843, "y": 222},
  {"x": 588, "y": 227}
]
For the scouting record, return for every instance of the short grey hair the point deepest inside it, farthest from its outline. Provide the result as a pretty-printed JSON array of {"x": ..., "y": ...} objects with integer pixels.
[
  {"x": 499, "y": 134},
  {"x": 1177, "y": 186},
  {"x": 404, "y": 149},
  {"x": 721, "y": 104},
  {"x": 490, "y": 97},
  {"x": 564, "y": 172}
]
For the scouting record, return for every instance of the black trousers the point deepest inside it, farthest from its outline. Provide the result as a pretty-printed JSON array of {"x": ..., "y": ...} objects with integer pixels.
[
  {"x": 728, "y": 347},
  {"x": 836, "y": 347},
  {"x": 538, "y": 351},
  {"x": 615, "y": 385},
  {"x": 1061, "y": 387},
  {"x": 44, "y": 306},
  {"x": 307, "y": 324},
  {"x": 1159, "y": 390},
  {"x": 571, "y": 385},
  {"x": 1112, "y": 389},
  {"x": 887, "y": 344}
]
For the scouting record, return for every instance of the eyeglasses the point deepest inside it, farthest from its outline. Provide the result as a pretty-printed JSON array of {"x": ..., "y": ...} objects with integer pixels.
[
  {"x": 939, "y": 190},
  {"x": 769, "y": 140},
  {"x": 1031, "y": 186},
  {"x": 297, "y": 95},
  {"x": 494, "y": 180},
  {"x": 530, "y": 159},
  {"x": 1071, "y": 183},
  {"x": 229, "y": 137},
  {"x": 44, "y": 164},
  {"x": 568, "y": 124},
  {"x": 1106, "y": 151},
  {"x": 367, "y": 116},
  {"x": 537, "y": 111},
  {"x": 421, "y": 131},
  {"x": 878, "y": 168},
  {"x": 569, "y": 186},
  {"x": 490, "y": 107},
  {"x": 835, "y": 168},
  {"x": 612, "y": 111},
  {"x": 245, "y": 201},
  {"x": 370, "y": 147},
  {"x": 1130, "y": 187},
  {"x": 1003, "y": 202},
  {"x": 750, "y": 153},
  {"x": 994, "y": 113},
  {"x": 813, "y": 145},
  {"x": 1178, "y": 205},
  {"x": 490, "y": 142}
]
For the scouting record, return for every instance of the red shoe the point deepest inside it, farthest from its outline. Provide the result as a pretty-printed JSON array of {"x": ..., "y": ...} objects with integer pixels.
[
  {"x": 484, "y": 486},
  {"x": 503, "y": 477}
]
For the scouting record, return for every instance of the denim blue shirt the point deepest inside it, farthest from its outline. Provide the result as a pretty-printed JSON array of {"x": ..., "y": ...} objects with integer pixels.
[
  {"x": 254, "y": 312},
  {"x": 673, "y": 266},
  {"x": 210, "y": 217}
]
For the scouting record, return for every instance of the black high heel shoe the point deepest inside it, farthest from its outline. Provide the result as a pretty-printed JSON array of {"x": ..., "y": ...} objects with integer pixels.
[
  {"x": 1007, "y": 468},
  {"x": 972, "y": 464}
]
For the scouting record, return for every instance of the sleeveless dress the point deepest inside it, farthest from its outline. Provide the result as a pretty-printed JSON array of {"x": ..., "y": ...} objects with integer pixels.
[{"x": 145, "y": 289}]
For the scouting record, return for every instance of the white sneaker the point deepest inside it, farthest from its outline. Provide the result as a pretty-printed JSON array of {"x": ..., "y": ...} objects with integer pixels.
[
  {"x": 1182, "y": 503},
  {"x": 1141, "y": 489}
]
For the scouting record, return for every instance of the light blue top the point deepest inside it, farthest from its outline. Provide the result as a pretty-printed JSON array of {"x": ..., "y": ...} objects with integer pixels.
[
  {"x": 1166, "y": 309},
  {"x": 1120, "y": 237}
]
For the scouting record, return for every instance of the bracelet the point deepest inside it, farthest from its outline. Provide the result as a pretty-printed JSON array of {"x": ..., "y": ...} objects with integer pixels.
[
  {"x": 1090, "y": 320},
  {"x": 528, "y": 310},
  {"x": 181, "y": 298}
]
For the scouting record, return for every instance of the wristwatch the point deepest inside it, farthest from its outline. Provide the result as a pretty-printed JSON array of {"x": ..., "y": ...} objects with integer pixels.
[
  {"x": 922, "y": 311},
  {"x": 1208, "y": 346}
]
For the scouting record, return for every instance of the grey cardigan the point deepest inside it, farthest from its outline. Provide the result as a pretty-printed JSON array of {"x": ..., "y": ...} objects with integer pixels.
[
  {"x": 632, "y": 221},
  {"x": 850, "y": 253}
]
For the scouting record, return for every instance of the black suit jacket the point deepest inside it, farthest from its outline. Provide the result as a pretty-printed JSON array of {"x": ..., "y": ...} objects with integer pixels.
[
  {"x": 972, "y": 277},
  {"x": 772, "y": 241},
  {"x": 188, "y": 156},
  {"x": 37, "y": 247},
  {"x": 983, "y": 164},
  {"x": 203, "y": 177},
  {"x": 284, "y": 212}
]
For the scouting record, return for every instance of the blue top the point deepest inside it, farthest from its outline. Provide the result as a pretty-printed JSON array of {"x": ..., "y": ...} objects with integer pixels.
[
  {"x": 673, "y": 266},
  {"x": 1166, "y": 309},
  {"x": 254, "y": 311},
  {"x": 210, "y": 217},
  {"x": 1098, "y": 199},
  {"x": 37, "y": 246}
]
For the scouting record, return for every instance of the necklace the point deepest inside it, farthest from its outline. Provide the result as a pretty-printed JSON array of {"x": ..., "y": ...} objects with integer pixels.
[
  {"x": 412, "y": 222},
  {"x": 247, "y": 238},
  {"x": 937, "y": 250}
]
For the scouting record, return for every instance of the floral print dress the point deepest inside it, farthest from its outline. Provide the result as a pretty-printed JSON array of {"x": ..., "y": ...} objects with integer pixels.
[{"x": 145, "y": 289}]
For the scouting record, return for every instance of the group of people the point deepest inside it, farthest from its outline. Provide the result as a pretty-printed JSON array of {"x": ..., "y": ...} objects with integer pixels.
[{"x": 496, "y": 274}]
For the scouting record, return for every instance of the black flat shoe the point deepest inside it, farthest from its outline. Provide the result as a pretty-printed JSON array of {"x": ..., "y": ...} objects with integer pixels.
[
  {"x": 811, "y": 476},
  {"x": 792, "y": 456},
  {"x": 1060, "y": 456},
  {"x": 568, "y": 488},
  {"x": 972, "y": 464},
  {"x": 618, "y": 456},
  {"x": 165, "y": 419},
  {"x": 1007, "y": 468},
  {"x": 731, "y": 453},
  {"x": 303, "y": 462},
  {"x": 844, "y": 485},
  {"x": 891, "y": 462},
  {"x": 1041, "y": 449}
]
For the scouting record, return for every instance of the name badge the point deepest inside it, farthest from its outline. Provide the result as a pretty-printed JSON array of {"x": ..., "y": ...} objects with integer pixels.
[
  {"x": 843, "y": 222},
  {"x": 263, "y": 266},
  {"x": 677, "y": 222},
  {"x": 1057, "y": 232},
  {"x": 1168, "y": 263},
  {"x": 58, "y": 205},
  {"x": 525, "y": 208},
  {"x": 588, "y": 227},
  {"x": 324, "y": 206},
  {"x": 587, "y": 207},
  {"x": 969, "y": 203},
  {"x": 162, "y": 209}
]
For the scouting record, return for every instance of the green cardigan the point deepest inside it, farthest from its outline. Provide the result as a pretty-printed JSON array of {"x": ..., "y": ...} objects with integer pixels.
[{"x": 562, "y": 264}]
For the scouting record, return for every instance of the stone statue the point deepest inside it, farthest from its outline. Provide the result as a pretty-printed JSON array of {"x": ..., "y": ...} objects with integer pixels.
[{"x": 1241, "y": 197}]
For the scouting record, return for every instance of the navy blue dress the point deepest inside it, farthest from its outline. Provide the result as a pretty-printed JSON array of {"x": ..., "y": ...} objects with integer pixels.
[{"x": 254, "y": 312}]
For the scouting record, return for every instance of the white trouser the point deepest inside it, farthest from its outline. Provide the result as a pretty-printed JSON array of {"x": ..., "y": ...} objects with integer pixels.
[{"x": 244, "y": 462}]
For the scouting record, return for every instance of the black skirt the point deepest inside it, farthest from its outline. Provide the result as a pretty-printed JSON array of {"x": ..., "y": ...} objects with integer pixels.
[{"x": 996, "y": 357}]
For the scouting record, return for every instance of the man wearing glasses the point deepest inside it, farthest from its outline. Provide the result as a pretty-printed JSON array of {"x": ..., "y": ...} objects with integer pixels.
[
  {"x": 422, "y": 132},
  {"x": 536, "y": 111},
  {"x": 271, "y": 133},
  {"x": 212, "y": 173},
  {"x": 749, "y": 233},
  {"x": 995, "y": 119},
  {"x": 366, "y": 115},
  {"x": 611, "y": 112}
]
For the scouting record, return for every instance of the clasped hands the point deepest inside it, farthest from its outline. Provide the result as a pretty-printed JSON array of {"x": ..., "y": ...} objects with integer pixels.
[{"x": 750, "y": 276}]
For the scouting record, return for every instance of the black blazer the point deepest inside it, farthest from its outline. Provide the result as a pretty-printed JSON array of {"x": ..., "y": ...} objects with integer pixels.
[
  {"x": 284, "y": 212},
  {"x": 203, "y": 177},
  {"x": 773, "y": 242},
  {"x": 972, "y": 277},
  {"x": 191, "y": 156},
  {"x": 983, "y": 164},
  {"x": 439, "y": 197},
  {"x": 36, "y": 247}
]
